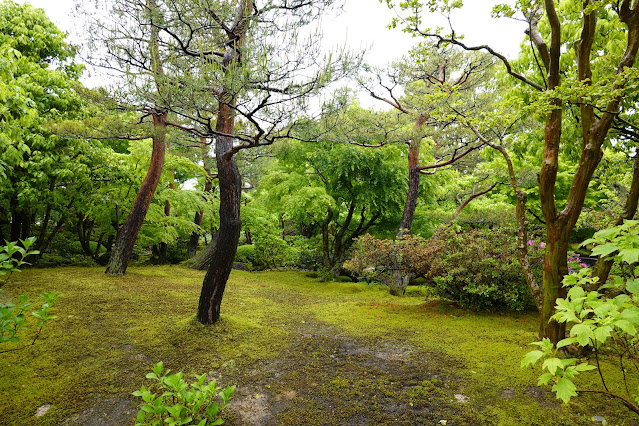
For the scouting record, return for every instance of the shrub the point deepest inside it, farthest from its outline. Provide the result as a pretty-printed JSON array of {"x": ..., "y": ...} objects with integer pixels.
[
  {"x": 178, "y": 403},
  {"x": 478, "y": 268},
  {"x": 246, "y": 254},
  {"x": 392, "y": 262}
]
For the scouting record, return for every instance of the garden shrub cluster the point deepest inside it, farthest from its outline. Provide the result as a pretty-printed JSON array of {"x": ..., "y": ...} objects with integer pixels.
[
  {"x": 477, "y": 268},
  {"x": 272, "y": 252}
]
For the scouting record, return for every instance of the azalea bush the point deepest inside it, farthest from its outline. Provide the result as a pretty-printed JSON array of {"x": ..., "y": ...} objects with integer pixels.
[
  {"x": 605, "y": 323},
  {"x": 477, "y": 268},
  {"x": 392, "y": 262}
]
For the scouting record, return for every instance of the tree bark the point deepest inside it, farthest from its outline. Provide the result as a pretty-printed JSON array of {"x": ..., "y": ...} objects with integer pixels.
[
  {"x": 594, "y": 133},
  {"x": 163, "y": 247},
  {"x": 413, "y": 189},
  {"x": 121, "y": 253},
  {"x": 194, "y": 240},
  {"x": 223, "y": 252},
  {"x": 326, "y": 250}
]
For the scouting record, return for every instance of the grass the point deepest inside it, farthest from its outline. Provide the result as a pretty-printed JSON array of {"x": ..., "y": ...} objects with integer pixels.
[{"x": 301, "y": 352}]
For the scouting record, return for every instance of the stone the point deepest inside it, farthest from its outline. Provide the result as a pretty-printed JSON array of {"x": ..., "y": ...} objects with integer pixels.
[
  {"x": 461, "y": 398},
  {"x": 42, "y": 410}
]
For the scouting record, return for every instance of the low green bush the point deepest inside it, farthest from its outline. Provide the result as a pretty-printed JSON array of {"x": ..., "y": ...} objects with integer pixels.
[
  {"x": 246, "y": 254},
  {"x": 173, "y": 401}
]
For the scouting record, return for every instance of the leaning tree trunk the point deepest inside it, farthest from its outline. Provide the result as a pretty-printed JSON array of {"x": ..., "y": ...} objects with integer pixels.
[
  {"x": 121, "y": 253},
  {"x": 223, "y": 252}
]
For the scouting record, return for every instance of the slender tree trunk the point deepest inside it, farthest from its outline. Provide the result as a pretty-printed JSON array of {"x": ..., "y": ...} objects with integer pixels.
[
  {"x": 413, "y": 190},
  {"x": 121, "y": 253},
  {"x": 194, "y": 240},
  {"x": 326, "y": 251},
  {"x": 555, "y": 268},
  {"x": 223, "y": 252},
  {"x": 208, "y": 186},
  {"x": 16, "y": 219},
  {"x": 202, "y": 260},
  {"x": 163, "y": 247}
]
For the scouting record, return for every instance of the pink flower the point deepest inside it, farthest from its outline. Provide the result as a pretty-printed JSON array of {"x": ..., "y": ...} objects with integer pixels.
[
  {"x": 583, "y": 265},
  {"x": 530, "y": 242},
  {"x": 542, "y": 245}
]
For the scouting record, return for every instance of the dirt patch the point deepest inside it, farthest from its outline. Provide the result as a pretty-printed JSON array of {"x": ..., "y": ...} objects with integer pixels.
[
  {"x": 328, "y": 378},
  {"x": 106, "y": 412}
]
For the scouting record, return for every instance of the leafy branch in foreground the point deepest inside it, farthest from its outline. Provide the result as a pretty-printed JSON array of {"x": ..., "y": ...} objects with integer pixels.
[
  {"x": 179, "y": 403},
  {"x": 12, "y": 257},
  {"x": 12, "y": 316},
  {"x": 607, "y": 324},
  {"x": 13, "y": 319}
]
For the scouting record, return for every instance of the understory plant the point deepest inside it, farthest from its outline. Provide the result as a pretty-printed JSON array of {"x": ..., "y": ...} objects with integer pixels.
[
  {"x": 604, "y": 321},
  {"x": 173, "y": 401}
]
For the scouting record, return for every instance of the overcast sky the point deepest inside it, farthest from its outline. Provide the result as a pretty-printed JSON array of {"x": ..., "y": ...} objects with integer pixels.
[{"x": 363, "y": 25}]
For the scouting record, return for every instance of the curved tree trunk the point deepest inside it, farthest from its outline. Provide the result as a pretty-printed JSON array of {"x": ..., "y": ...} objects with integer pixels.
[
  {"x": 223, "y": 252},
  {"x": 121, "y": 253}
]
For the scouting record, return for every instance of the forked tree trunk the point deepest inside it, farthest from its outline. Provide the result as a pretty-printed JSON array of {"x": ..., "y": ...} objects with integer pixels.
[
  {"x": 223, "y": 252},
  {"x": 121, "y": 253}
]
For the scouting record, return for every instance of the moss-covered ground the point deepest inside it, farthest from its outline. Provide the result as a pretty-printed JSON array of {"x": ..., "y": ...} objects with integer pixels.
[{"x": 299, "y": 351}]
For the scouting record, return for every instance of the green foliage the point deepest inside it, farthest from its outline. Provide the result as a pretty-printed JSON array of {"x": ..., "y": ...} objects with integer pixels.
[
  {"x": 605, "y": 324},
  {"x": 12, "y": 315},
  {"x": 180, "y": 403},
  {"x": 13, "y": 319},
  {"x": 12, "y": 257},
  {"x": 246, "y": 254}
]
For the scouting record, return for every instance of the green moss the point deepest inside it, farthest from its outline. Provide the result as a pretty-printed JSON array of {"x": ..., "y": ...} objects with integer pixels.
[{"x": 310, "y": 348}]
